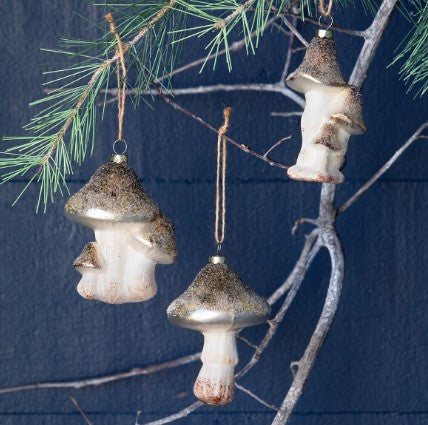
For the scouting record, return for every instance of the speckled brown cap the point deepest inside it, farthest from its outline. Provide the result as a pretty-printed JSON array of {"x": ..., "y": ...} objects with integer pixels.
[
  {"x": 114, "y": 193},
  {"x": 351, "y": 117},
  {"x": 158, "y": 239},
  {"x": 89, "y": 257},
  {"x": 218, "y": 298},
  {"x": 319, "y": 66}
]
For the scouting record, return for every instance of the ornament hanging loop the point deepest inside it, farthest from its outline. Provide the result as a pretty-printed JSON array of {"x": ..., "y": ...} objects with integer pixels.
[
  {"x": 325, "y": 24},
  {"x": 220, "y": 193},
  {"x": 124, "y": 149}
]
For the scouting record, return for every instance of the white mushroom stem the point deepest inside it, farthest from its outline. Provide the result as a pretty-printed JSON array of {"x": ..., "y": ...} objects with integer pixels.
[
  {"x": 127, "y": 275},
  {"x": 324, "y": 141},
  {"x": 215, "y": 382}
]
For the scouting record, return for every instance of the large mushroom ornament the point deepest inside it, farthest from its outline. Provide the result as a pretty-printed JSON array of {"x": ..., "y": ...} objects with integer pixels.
[
  {"x": 333, "y": 112},
  {"x": 218, "y": 304},
  {"x": 132, "y": 236}
]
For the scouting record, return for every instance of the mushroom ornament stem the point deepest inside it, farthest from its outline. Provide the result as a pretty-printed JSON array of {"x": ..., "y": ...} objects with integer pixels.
[
  {"x": 217, "y": 303},
  {"x": 333, "y": 112},
  {"x": 215, "y": 382}
]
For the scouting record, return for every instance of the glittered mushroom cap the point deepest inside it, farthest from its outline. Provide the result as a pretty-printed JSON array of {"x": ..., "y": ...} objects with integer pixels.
[
  {"x": 351, "y": 116},
  {"x": 319, "y": 66},
  {"x": 114, "y": 193},
  {"x": 157, "y": 240},
  {"x": 217, "y": 298}
]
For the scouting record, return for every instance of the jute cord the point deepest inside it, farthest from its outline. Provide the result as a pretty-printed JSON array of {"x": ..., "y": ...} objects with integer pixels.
[
  {"x": 121, "y": 79},
  {"x": 220, "y": 194},
  {"x": 321, "y": 7}
]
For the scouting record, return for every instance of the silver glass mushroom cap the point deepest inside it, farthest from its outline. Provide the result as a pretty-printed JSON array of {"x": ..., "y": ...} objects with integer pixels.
[
  {"x": 319, "y": 65},
  {"x": 218, "y": 304},
  {"x": 132, "y": 235},
  {"x": 113, "y": 194}
]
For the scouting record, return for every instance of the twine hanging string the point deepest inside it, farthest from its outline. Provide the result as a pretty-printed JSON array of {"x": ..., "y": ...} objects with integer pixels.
[
  {"x": 121, "y": 79},
  {"x": 326, "y": 12},
  {"x": 220, "y": 193}
]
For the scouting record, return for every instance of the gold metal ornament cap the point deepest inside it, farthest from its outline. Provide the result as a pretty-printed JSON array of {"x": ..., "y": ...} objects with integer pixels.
[
  {"x": 217, "y": 259},
  {"x": 119, "y": 158},
  {"x": 324, "y": 33}
]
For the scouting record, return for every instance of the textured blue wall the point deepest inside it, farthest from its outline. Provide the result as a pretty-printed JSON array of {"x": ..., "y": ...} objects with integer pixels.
[{"x": 373, "y": 366}]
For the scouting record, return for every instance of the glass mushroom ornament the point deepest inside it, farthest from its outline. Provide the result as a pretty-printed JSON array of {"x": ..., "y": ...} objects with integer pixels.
[
  {"x": 333, "y": 112},
  {"x": 132, "y": 235},
  {"x": 218, "y": 304}
]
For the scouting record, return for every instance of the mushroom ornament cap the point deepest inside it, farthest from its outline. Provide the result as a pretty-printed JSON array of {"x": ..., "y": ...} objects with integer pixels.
[
  {"x": 114, "y": 193},
  {"x": 217, "y": 298},
  {"x": 319, "y": 67},
  {"x": 217, "y": 303}
]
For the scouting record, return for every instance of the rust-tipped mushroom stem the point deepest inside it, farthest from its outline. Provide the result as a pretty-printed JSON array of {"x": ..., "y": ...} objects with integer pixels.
[{"x": 215, "y": 382}]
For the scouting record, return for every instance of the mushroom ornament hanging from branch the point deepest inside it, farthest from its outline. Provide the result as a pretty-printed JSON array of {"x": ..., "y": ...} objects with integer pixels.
[
  {"x": 132, "y": 235},
  {"x": 333, "y": 112},
  {"x": 218, "y": 304}
]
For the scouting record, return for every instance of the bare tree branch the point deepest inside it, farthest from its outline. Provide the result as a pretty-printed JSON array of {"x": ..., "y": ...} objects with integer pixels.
[
  {"x": 78, "y": 384},
  {"x": 373, "y": 35},
  {"x": 331, "y": 241},
  {"x": 256, "y": 87},
  {"x": 382, "y": 170}
]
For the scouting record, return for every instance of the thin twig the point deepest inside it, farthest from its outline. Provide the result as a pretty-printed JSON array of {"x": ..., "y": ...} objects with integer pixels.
[
  {"x": 80, "y": 410},
  {"x": 241, "y": 146},
  {"x": 234, "y": 47},
  {"x": 279, "y": 142},
  {"x": 333, "y": 27},
  {"x": 249, "y": 343},
  {"x": 306, "y": 257},
  {"x": 87, "y": 382},
  {"x": 260, "y": 400},
  {"x": 242, "y": 8},
  {"x": 179, "y": 415},
  {"x": 287, "y": 114},
  {"x": 382, "y": 170},
  {"x": 293, "y": 282},
  {"x": 293, "y": 29},
  {"x": 288, "y": 56}
]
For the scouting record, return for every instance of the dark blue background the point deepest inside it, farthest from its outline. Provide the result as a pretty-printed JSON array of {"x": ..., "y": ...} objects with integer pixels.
[{"x": 373, "y": 366}]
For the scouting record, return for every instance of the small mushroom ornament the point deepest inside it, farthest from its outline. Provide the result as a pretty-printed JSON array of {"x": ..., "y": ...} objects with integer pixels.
[
  {"x": 132, "y": 235},
  {"x": 333, "y": 112},
  {"x": 218, "y": 304}
]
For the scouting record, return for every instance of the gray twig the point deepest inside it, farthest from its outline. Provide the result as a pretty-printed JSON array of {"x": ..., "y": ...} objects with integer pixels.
[
  {"x": 80, "y": 410},
  {"x": 260, "y": 400},
  {"x": 89, "y": 382},
  {"x": 382, "y": 170},
  {"x": 179, "y": 415}
]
